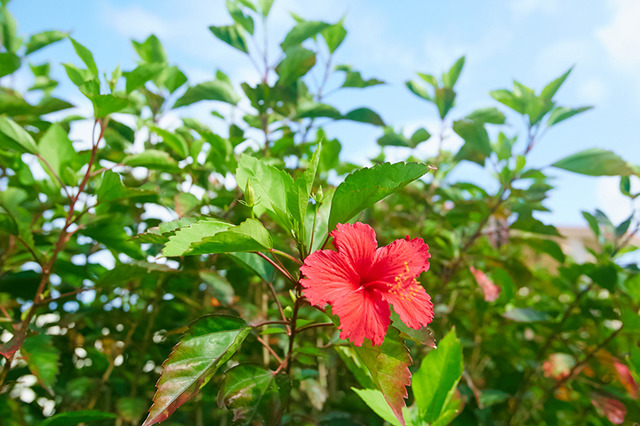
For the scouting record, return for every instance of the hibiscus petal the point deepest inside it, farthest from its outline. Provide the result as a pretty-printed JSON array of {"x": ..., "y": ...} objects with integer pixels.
[
  {"x": 403, "y": 257},
  {"x": 357, "y": 242},
  {"x": 363, "y": 314},
  {"x": 412, "y": 304},
  {"x": 491, "y": 291},
  {"x": 329, "y": 277}
]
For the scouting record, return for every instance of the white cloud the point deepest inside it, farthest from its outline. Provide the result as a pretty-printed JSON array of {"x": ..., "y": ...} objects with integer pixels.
[
  {"x": 563, "y": 54},
  {"x": 621, "y": 36},
  {"x": 525, "y": 8},
  {"x": 136, "y": 22},
  {"x": 592, "y": 91}
]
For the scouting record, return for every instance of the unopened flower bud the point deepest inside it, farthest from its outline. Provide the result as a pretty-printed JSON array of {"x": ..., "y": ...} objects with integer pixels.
[
  {"x": 288, "y": 312},
  {"x": 319, "y": 194},
  {"x": 249, "y": 195}
]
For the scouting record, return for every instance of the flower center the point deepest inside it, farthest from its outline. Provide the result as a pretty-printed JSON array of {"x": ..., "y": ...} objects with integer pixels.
[{"x": 404, "y": 285}]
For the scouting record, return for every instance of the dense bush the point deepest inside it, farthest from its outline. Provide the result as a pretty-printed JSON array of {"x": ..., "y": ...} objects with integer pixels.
[{"x": 95, "y": 290}]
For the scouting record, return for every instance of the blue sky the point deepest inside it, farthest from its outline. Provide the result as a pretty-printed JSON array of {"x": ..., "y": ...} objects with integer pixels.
[{"x": 533, "y": 41}]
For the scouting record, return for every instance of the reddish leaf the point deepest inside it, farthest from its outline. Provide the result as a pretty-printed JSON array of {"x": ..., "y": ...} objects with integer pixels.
[
  {"x": 255, "y": 394},
  {"x": 612, "y": 408},
  {"x": 209, "y": 343},
  {"x": 389, "y": 367},
  {"x": 9, "y": 348}
]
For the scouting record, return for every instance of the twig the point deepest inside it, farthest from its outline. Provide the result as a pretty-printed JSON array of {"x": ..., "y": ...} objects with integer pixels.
[
  {"x": 33, "y": 253},
  {"x": 287, "y": 255},
  {"x": 275, "y": 297},
  {"x": 322, "y": 324},
  {"x": 63, "y": 295},
  {"x": 278, "y": 267},
  {"x": 269, "y": 348},
  {"x": 263, "y": 323},
  {"x": 46, "y": 163},
  {"x": 586, "y": 359}
]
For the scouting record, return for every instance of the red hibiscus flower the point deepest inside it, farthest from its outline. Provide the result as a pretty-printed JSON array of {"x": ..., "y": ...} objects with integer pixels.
[{"x": 360, "y": 280}]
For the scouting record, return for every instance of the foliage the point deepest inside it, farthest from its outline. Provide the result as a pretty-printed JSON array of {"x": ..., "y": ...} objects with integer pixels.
[{"x": 95, "y": 290}]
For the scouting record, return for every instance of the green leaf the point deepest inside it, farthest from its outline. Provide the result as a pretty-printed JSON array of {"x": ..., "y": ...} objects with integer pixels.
[
  {"x": 111, "y": 188},
  {"x": 424, "y": 335},
  {"x": 245, "y": 21},
  {"x": 363, "y": 188},
  {"x": 444, "y": 100},
  {"x": 450, "y": 78},
  {"x": 593, "y": 223},
  {"x": 9, "y": 30},
  {"x": 392, "y": 138},
  {"x": 143, "y": 73},
  {"x": 297, "y": 62},
  {"x": 270, "y": 185},
  {"x": 45, "y": 38},
  {"x": 302, "y": 31},
  {"x": 375, "y": 400},
  {"x": 630, "y": 319},
  {"x": 8, "y": 223},
  {"x": 42, "y": 359},
  {"x": 418, "y": 136},
  {"x": 435, "y": 382},
  {"x": 389, "y": 367},
  {"x": 185, "y": 202},
  {"x": 315, "y": 110},
  {"x": 249, "y": 236},
  {"x": 77, "y": 75},
  {"x": 74, "y": 418},
  {"x": 550, "y": 89},
  {"x": 265, "y": 7},
  {"x": 86, "y": 56},
  {"x": 105, "y": 105},
  {"x": 216, "y": 90},
  {"x": 334, "y": 35},
  {"x": 152, "y": 159},
  {"x": 131, "y": 409},
  {"x": 160, "y": 234},
  {"x": 233, "y": 35},
  {"x": 171, "y": 78},
  {"x": 354, "y": 78},
  {"x": 625, "y": 186},
  {"x": 595, "y": 162},
  {"x": 179, "y": 243},
  {"x": 12, "y": 133},
  {"x": 255, "y": 263},
  {"x": 526, "y": 315},
  {"x": 173, "y": 140},
  {"x": 562, "y": 113},
  {"x": 298, "y": 196},
  {"x": 490, "y": 397},
  {"x": 151, "y": 50},
  {"x": 418, "y": 90},
  {"x": 364, "y": 115},
  {"x": 9, "y": 63},
  {"x": 56, "y": 149},
  {"x": 509, "y": 99},
  {"x": 256, "y": 395},
  {"x": 477, "y": 146},
  {"x": 487, "y": 115},
  {"x": 209, "y": 343}
]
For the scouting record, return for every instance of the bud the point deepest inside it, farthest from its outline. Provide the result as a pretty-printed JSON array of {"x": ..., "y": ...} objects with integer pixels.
[
  {"x": 249, "y": 195},
  {"x": 319, "y": 194},
  {"x": 288, "y": 312}
]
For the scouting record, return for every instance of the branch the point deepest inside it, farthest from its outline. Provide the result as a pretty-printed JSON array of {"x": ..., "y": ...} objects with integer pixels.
[
  {"x": 586, "y": 359},
  {"x": 278, "y": 267},
  {"x": 321, "y": 324}
]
